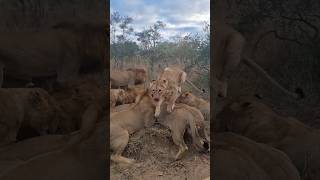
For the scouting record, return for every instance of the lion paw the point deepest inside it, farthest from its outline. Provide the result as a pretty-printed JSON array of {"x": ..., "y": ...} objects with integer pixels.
[
  {"x": 170, "y": 108},
  {"x": 156, "y": 114}
]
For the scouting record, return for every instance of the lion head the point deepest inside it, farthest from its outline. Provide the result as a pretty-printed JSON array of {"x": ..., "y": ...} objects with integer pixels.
[
  {"x": 157, "y": 89},
  {"x": 140, "y": 75},
  {"x": 186, "y": 98}
]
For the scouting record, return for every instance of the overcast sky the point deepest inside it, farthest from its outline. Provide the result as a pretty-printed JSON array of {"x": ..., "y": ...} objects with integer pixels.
[{"x": 180, "y": 16}]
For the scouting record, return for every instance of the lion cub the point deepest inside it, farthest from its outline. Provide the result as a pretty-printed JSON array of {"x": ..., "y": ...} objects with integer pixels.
[
  {"x": 163, "y": 91},
  {"x": 194, "y": 101},
  {"x": 188, "y": 119}
]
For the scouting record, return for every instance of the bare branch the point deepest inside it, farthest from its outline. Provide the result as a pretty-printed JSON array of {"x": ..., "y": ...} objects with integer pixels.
[
  {"x": 295, "y": 40},
  {"x": 315, "y": 28},
  {"x": 262, "y": 36},
  {"x": 303, "y": 20}
]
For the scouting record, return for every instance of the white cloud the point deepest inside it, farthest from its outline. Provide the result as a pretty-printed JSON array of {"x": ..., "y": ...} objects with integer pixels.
[{"x": 180, "y": 16}]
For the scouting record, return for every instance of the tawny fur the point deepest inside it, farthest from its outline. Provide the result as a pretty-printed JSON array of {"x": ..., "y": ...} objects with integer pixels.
[
  {"x": 117, "y": 95},
  {"x": 27, "y": 107},
  {"x": 163, "y": 92},
  {"x": 123, "y": 78},
  {"x": 185, "y": 118},
  {"x": 197, "y": 102},
  {"x": 55, "y": 52},
  {"x": 132, "y": 93},
  {"x": 126, "y": 122}
]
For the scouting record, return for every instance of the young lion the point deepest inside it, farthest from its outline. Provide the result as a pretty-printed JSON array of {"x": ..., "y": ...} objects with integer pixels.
[
  {"x": 128, "y": 121},
  {"x": 178, "y": 77},
  {"x": 184, "y": 118},
  {"x": 174, "y": 75},
  {"x": 163, "y": 91},
  {"x": 194, "y": 101}
]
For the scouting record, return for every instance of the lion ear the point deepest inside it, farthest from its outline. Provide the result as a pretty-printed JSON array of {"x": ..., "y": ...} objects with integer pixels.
[{"x": 152, "y": 82}]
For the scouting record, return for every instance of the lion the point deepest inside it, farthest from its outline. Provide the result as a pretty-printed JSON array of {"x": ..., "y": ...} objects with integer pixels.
[
  {"x": 77, "y": 97},
  {"x": 183, "y": 118},
  {"x": 132, "y": 93},
  {"x": 228, "y": 48},
  {"x": 27, "y": 108},
  {"x": 194, "y": 101},
  {"x": 27, "y": 159},
  {"x": 128, "y": 121},
  {"x": 237, "y": 157},
  {"x": 63, "y": 51},
  {"x": 116, "y": 95},
  {"x": 176, "y": 76},
  {"x": 163, "y": 91},
  {"x": 186, "y": 118},
  {"x": 130, "y": 76},
  {"x": 253, "y": 118},
  {"x": 167, "y": 88}
]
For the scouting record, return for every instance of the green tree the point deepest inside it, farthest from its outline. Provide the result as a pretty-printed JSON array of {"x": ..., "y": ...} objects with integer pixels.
[
  {"x": 124, "y": 49},
  {"x": 115, "y": 19},
  {"x": 149, "y": 38},
  {"x": 125, "y": 28}
]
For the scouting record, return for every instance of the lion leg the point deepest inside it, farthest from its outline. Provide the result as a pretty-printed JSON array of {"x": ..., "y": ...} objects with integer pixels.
[
  {"x": 113, "y": 103},
  {"x": 232, "y": 60},
  {"x": 178, "y": 140},
  {"x": 120, "y": 159},
  {"x": 182, "y": 150},
  {"x": 172, "y": 102},
  {"x": 118, "y": 144},
  {"x": 170, "y": 107},
  {"x": 179, "y": 89},
  {"x": 158, "y": 108},
  {"x": 183, "y": 78},
  {"x": 223, "y": 88},
  {"x": 157, "y": 111}
]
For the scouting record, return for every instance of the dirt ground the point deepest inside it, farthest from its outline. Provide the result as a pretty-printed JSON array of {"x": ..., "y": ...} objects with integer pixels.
[{"x": 153, "y": 149}]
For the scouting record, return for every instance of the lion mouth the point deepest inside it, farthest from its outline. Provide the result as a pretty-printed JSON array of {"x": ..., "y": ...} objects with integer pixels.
[{"x": 156, "y": 99}]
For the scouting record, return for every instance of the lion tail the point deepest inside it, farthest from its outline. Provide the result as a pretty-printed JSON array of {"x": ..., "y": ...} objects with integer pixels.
[
  {"x": 259, "y": 70},
  {"x": 195, "y": 87}
]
